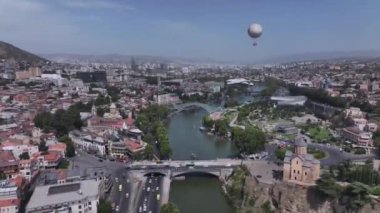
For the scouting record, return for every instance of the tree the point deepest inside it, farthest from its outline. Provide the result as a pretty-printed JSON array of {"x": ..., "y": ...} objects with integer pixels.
[
  {"x": 250, "y": 140},
  {"x": 221, "y": 126},
  {"x": 70, "y": 149},
  {"x": 149, "y": 151},
  {"x": 169, "y": 208},
  {"x": 327, "y": 187},
  {"x": 207, "y": 122},
  {"x": 113, "y": 92},
  {"x": 24, "y": 156},
  {"x": 355, "y": 196},
  {"x": 376, "y": 138},
  {"x": 3, "y": 176},
  {"x": 62, "y": 120},
  {"x": 104, "y": 206},
  {"x": 42, "y": 146},
  {"x": 280, "y": 153},
  {"x": 163, "y": 141},
  {"x": 100, "y": 112},
  {"x": 149, "y": 138}
]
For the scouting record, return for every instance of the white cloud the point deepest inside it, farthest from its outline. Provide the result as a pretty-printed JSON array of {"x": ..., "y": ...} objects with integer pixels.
[
  {"x": 96, "y": 4},
  {"x": 34, "y": 25}
]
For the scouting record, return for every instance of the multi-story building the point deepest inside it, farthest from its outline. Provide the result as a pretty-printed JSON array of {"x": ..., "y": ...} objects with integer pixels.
[
  {"x": 166, "y": 99},
  {"x": 8, "y": 164},
  {"x": 357, "y": 136},
  {"x": 76, "y": 197},
  {"x": 354, "y": 112},
  {"x": 18, "y": 149},
  {"x": 117, "y": 149},
  {"x": 9, "y": 197},
  {"x": 25, "y": 167},
  {"x": 89, "y": 143}
]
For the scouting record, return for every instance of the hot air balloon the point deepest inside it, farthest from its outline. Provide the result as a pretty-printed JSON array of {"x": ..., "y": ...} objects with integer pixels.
[{"x": 255, "y": 31}]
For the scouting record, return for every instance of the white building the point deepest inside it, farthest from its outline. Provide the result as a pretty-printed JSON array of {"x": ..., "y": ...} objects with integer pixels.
[
  {"x": 354, "y": 112},
  {"x": 88, "y": 143},
  {"x": 74, "y": 197},
  {"x": 289, "y": 100},
  {"x": 9, "y": 201},
  {"x": 166, "y": 99},
  {"x": 18, "y": 149}
]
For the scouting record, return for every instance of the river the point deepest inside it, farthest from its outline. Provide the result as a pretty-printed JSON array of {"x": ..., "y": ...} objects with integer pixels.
[
  {"x": 186, "y": 139},
  {"x": 197, "y": 194}
]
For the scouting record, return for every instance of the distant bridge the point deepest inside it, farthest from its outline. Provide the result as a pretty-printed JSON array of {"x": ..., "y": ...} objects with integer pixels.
[
  {"x": 208, "y": 108},
  {"x": 220, "y": 168}
]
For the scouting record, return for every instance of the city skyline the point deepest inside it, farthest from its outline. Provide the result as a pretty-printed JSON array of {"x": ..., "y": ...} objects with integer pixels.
[{"x": 198, "y": 29}]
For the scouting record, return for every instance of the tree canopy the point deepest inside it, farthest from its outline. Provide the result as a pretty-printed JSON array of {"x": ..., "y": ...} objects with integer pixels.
[
  {"x": 104, "y": 206},
  {"x": 70, "y": 149},
  {"x": 327, "y": 187},
  {"x": 250, "y": 140},
  {"x": 150, "y": 121},
  {"x": 169, "y": 208},
  {"x": 62, "y": 121},
  {"x": 24, "y": 156}
]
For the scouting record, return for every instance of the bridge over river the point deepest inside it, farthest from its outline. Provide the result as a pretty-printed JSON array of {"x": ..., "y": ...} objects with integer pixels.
[
  {"x": 169, "y": 170},
  {"x": 184, "y": 106},
  {"x": 179, "y": 168}
]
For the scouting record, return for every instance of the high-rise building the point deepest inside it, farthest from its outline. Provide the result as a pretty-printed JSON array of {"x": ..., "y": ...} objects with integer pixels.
[{"x": 134, "y": 66}]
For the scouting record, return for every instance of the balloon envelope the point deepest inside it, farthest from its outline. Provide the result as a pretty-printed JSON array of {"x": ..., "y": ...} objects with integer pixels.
[{"x": 255, "y": 30}]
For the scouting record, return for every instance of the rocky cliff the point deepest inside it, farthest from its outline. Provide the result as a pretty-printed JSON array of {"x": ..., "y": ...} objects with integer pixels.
[{"x": 289, "y": 198}]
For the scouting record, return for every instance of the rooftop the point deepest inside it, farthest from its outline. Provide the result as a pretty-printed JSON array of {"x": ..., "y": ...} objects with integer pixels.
[
  {"x": 63, "y": 193},
  {"x": 9, "y": 202}
]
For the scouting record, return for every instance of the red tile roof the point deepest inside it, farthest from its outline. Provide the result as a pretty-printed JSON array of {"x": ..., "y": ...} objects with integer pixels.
[
  {"x": 9, "y": 202},
  {"x": 52, "y": 156},
  {"x": 132, "y": 144},
  {"x": 58, "y": 147}
]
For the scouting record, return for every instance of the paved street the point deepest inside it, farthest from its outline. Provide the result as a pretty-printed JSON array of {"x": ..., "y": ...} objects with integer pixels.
[
  {"x": 121, "y": 190},
  {"x": 334, "y": 155},
  {"x": 151, "y": 195}
]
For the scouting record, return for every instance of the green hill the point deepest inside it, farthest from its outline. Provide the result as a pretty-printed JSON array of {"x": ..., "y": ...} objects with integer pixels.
[{"x": 8, "y": 51}]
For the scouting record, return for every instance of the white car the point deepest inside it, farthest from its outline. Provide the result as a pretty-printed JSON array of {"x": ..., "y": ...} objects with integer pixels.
[
  {"x": 127, "y": 195},
  {"x": 148, "y": 189}
]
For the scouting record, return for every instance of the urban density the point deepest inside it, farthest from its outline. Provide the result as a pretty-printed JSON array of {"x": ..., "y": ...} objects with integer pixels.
[{"x": 95, "y": 133}]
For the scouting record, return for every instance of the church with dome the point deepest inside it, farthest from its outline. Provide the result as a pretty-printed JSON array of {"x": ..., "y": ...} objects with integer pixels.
[{"x": 300, "y": 167}]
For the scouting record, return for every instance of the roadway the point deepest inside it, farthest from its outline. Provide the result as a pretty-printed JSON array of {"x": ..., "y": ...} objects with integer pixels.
[
  {"x": 149, "y": 201},
  {"x": 119, "y": 176},
  {"x": 334, "y": 154}
]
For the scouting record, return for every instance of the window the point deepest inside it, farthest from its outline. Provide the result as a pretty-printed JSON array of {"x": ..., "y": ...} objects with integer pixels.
[
  {"x": 305, "y": 173},
  {"x": 80, "y": 206},
  {"x": 294, "y": 171},
  {"x": 298, "y": 172},
  {"x": 297, "y": 162}
]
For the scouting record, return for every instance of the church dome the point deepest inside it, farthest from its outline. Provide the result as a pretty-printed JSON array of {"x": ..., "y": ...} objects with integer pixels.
[{"x": 300, "y": 142}]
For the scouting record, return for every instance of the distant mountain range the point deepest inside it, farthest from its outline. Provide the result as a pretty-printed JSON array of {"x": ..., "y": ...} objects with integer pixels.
[
  {"x": 8, "y": 51},
  {"x": 332, "y": 55},
  {"x": 118, "y": 58}
]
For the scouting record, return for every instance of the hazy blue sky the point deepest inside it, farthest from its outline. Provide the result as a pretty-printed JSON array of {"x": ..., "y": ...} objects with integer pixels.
[{"x": 213, "y": 29}]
